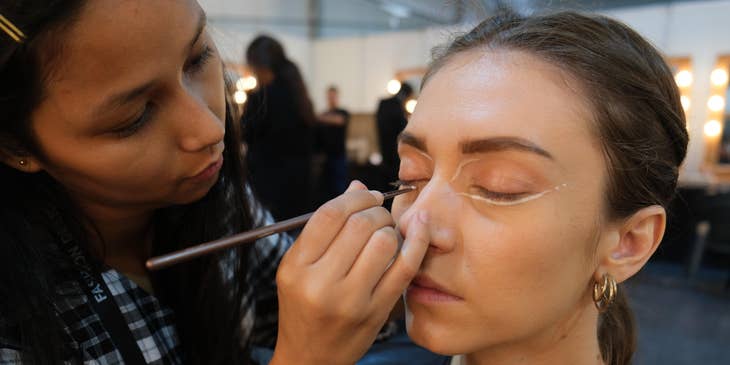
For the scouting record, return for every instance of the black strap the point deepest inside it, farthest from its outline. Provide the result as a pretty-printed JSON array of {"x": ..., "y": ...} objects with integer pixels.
[{"x": 101, "y": 299}]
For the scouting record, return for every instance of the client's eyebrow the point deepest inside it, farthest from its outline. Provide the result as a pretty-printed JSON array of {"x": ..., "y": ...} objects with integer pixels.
[
  {"x": 483, "y": 145},
  {"x": 413, "y": 141},
  {"x": 497, "y": 144}
]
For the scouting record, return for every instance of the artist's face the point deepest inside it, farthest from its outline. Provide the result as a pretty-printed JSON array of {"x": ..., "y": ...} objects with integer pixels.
[
  {"x": 501, "y": 150},
  {"x": 135, "y": 108}
]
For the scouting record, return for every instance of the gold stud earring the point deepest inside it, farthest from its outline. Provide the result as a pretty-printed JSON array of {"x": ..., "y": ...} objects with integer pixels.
[
  {"x": 23, "y": 162},
  {"x": 604, "y": 293}
]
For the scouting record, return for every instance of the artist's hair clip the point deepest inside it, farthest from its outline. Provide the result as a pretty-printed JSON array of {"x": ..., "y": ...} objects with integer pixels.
[{"x": 10, "y": 29}]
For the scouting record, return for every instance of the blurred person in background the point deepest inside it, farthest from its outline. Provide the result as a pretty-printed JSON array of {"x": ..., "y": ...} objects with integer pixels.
[
  {"x": 278, "y": 129},
  {"x": 331, "y": 138},
  {"x": 391, "y": 117}
]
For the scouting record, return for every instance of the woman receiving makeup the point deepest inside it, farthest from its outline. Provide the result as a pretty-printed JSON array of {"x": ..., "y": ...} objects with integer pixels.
[
  {"x": 117, "y": 144},
  {"x": 545, "y": 150}
]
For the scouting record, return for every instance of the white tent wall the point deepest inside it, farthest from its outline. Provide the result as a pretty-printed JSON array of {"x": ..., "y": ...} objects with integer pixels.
[{"x": 362, "y": 65}]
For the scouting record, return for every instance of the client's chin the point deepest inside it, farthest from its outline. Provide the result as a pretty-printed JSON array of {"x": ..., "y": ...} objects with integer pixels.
[{"x": 437, "y": 336}]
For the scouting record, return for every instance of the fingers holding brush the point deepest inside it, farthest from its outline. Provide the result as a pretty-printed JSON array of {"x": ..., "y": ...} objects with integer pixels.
[
  {"x": 328, "y": 221},
  {"x": 406, "y": 264},
  {"x": 326, "y": 281},
  {"x": 374, "y": 260},
  {"x": 355, "y": 237}
]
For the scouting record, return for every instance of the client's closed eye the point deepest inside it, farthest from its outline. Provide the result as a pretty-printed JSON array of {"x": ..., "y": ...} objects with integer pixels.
[{"x": 499, "y": 196}]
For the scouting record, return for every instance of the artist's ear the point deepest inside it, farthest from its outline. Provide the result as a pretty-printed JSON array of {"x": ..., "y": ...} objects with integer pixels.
[
  {"x": 627, "y": 245},
  {"x": 21, "y": 162}
]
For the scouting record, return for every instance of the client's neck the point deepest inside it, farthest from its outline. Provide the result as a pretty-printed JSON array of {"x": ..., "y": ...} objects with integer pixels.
[{"x": 573, "y": 340}]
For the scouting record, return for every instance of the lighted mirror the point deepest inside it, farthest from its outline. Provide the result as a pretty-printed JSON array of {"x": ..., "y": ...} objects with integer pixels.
[
  {"x": 717, "y": 137},
  {"x": 683, "y": 76}
]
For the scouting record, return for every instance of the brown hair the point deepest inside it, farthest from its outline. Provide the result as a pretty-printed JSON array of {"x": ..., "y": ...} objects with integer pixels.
[{"x": 636, "y": 110}]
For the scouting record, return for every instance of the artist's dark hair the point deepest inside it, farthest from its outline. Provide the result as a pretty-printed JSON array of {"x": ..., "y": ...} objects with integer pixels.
[
  {"x": 207, "y": 307},
  {"x": 267, "y": 53},
  {"x": 637, "y": 116}
]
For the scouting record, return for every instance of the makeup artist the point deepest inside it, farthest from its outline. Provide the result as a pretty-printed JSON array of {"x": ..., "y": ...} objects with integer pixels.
[{"x": 117, "y": 144}]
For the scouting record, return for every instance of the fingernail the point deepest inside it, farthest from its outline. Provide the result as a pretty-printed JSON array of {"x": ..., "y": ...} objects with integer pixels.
[{"x": 423, "y": 217}]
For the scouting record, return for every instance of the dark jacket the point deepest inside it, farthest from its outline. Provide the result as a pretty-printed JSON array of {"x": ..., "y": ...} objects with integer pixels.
[{"x": 279, "y": 151}]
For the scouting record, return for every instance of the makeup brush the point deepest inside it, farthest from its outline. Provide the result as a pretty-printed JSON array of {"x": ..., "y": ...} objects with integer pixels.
[{"x": 190, "y": 253}]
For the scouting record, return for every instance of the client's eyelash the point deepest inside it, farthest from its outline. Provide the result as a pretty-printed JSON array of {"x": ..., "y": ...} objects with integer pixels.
[
  {"x": 137, "y": 124},
  {"x": 402, "y": 183},
  {"x": 499, "y": 197},
  {"x": 506, "y": 199},
  {"x": 488, "y": 196}
]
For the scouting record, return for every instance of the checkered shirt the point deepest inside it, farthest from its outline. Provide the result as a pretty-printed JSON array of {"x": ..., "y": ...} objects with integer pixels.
[{"x": 151, "y": 324}]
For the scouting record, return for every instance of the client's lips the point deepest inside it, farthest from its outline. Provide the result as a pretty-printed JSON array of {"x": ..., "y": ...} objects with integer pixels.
[{"x": 424, "y": 289}]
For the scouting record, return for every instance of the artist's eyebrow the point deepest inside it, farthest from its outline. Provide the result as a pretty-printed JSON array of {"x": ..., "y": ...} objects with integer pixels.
[
  {"x": 497, "y": 144},
  {"x": 122, "y": 98},
  {"x": 413, "y": 141}
]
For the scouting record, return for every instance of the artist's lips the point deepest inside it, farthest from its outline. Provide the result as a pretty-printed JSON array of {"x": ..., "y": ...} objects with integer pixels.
[
  {"x": 209, "y": 171},
  {"x": 424, "y": 289}
]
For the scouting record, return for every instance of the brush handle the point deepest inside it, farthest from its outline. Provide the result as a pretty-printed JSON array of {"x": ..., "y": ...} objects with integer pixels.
[{"x": 161, "y": 262}]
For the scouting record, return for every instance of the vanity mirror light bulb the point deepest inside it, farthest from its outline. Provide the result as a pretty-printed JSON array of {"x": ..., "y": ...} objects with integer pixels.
[
  {"x": 719, "y": 77},
  {"x": 716, "y": 103},
  {"x": 240, "y": 97},
  {"x": 713, "y": 128},
  {"x": 393, "y": 87},
  {"x": 683, "y": 78}
]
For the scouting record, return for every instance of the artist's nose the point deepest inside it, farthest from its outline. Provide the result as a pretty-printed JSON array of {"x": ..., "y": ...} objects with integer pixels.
[{"x": 198, "y": 127}]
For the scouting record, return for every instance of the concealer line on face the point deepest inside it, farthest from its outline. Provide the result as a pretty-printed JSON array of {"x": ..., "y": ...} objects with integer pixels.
[
  {"x": 424, "y": 154},
  {"x": 514, "y": 202},
  {"x": 461, "y": 166}
]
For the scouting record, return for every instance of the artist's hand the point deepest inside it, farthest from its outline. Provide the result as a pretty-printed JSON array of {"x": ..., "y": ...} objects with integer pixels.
[{"x": 337, "y": 284}]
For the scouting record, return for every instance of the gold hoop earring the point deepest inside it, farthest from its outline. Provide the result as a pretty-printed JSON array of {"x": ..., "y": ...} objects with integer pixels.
[
  {"x": 23, "y": 162},
  {"x": 604, "y": 293}
]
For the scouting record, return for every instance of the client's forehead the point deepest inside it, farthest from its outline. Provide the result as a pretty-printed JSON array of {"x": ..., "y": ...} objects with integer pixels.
[{"x": 504, "y": 96}]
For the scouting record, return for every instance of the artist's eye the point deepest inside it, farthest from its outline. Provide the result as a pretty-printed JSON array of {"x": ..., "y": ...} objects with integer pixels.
[
  {"x": 198, "y": 62},
  {"x": 132, "y": 127}
]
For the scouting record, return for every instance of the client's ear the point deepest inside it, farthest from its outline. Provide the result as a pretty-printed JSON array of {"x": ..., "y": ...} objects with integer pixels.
[
  {"x": 632, "y": 243},
  {"x": 24, "y": 162}
]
